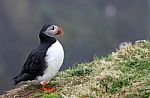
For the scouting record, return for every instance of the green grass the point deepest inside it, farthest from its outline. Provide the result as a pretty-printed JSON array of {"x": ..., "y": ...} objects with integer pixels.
[
  {"x": 122, "y": 74},
  {"x": 46, "y": 95},
  {"x": 51, "y": 96}
]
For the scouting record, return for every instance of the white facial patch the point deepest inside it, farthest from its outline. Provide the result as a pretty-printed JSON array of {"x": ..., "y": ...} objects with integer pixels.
[{"x": 50, "y": 31}]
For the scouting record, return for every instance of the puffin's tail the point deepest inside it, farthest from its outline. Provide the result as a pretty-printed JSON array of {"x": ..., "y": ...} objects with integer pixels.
[{"x": 21, "y": 77}]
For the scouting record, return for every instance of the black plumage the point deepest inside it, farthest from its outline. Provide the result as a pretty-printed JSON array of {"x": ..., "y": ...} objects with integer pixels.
[{"x": 35, "y": 63}]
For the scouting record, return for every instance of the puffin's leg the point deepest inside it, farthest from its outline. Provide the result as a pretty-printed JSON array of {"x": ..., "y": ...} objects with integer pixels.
[{"x": 46, "y": 89}]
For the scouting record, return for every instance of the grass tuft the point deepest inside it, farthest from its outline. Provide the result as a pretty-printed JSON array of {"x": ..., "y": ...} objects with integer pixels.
[{"x": 51, "y": 96}]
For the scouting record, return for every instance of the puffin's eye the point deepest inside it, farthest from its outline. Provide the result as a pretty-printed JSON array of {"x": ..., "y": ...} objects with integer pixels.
[{"x": 50, "y": 28}]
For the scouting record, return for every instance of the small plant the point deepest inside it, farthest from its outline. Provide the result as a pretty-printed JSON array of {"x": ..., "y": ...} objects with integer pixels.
[
  {"x": 117, "y": 85},
  {"x": 52, "y": 96},
  {"x": 33, "y": 87},
  {"x": 78, "y": 71}
]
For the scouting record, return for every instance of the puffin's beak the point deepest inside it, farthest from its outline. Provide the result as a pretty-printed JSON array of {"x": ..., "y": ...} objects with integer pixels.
[{"x": 60, "y": 31}]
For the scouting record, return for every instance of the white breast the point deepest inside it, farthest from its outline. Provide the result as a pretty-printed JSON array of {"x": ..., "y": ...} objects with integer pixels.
[{"x": 54, "y": 59}]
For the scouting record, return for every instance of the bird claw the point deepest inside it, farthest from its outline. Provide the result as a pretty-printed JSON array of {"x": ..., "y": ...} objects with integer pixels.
[
  {"x": 49, "y": 90},
  {"x": 46, "y": 89}
]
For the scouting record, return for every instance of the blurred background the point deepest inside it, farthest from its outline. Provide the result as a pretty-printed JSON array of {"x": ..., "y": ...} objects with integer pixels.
[{"x": 92, "y": 28}]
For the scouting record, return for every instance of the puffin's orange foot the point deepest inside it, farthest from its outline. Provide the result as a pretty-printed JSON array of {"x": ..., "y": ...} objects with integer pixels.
[
  {"x": 49, "y": 90},
  {"x": 46, "y": 89}
]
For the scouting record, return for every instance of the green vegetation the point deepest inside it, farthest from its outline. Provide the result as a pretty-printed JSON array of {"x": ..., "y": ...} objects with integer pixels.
[
  {"x": 50, "y": 96},
  {"x": 125, "y": 73}
]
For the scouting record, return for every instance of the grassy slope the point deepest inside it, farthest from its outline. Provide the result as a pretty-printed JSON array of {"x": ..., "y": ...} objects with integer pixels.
[{"x": 125, "y": 73}]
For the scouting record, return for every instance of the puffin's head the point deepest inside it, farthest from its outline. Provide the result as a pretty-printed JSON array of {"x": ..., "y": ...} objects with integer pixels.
[{"x": 51, "y": 30}]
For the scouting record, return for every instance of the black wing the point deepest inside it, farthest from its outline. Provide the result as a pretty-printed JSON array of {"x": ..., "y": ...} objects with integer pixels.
[{"x": 33, "y": 67}]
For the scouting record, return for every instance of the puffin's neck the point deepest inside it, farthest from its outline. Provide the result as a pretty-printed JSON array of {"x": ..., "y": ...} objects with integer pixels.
[{"x": 46, "y": 39}]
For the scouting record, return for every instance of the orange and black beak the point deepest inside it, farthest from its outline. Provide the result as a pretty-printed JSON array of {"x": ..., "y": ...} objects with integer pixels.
[{"x": 60, "y": 31}]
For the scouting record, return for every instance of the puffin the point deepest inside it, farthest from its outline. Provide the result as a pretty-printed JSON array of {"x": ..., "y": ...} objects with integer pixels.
[{"x": 44, "y": 62}]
